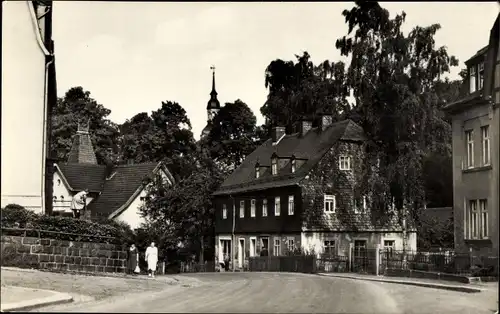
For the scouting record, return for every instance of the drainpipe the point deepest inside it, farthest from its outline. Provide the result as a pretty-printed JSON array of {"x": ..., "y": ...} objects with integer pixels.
[
  {"x": 47, "y": 53},
  {"x": 233, "y": 242}
]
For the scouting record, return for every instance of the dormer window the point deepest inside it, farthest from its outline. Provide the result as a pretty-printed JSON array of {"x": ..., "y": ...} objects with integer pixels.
[
  {"x": 293, "y": 162},
  {"x": 257, "y": 171},
  {"x": 480, "y": 76},
  {"x": 274, "y": 166},
  {"x": 472, "y": 78},
  {"x": 345, "y": 163},
  {"x": 476, "y": 77}
]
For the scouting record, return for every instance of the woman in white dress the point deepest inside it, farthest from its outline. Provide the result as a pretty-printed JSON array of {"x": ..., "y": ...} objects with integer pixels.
[{"x": 152, "y": 259}]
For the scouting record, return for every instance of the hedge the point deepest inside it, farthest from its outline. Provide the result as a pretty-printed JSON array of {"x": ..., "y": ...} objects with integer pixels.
[{"x": 65, "y": 228}]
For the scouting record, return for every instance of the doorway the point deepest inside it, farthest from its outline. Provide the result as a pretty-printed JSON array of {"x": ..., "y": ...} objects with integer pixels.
[
  {"x": 253, "y": 244},
  {"x": 225, "y": 248},
  {"x": 264, "y": 241},
  {"x": 241, "y": 252}
]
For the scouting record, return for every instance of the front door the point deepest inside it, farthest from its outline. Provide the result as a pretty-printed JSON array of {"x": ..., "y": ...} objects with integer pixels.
[
  {"x": 265, "y": 243},
  {"x": 241, "y": 253}
]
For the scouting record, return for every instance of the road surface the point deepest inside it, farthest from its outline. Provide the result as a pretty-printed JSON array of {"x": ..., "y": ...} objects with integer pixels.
[{"x": 289, "y": 293}]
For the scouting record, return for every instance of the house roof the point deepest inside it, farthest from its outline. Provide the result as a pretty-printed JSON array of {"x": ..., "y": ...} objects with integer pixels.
[
  {"x": 311, "y": 147},
  {"x": 121, "y": 186},
  {"x": 480, "y": 53},
  {"x": 83, "y": 176}
]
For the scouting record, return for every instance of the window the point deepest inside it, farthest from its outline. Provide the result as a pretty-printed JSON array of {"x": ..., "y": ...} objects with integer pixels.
[
  {"x": 481, "y": 76},
  {"x": 470, "y": 148},
  {"x": 478, "y": 221},
  {"x": 290, "y": 205},
  {"x": 277, "y": 247},
  {"x": 58, "y": 182},
  {"x": 242, "y": 209},
  {"x": 389, "y": 244},
  {"x": 257, "y": 172},
  {"x": 359, "y": 205},
  {"x": 274, "y": 166},
  {"x": 330, "y": 203},
  {"x": 472, "y": 78},
  {"x": 264, "y": 208},
  {"x": 290, "y": 245},
  {"x": 345, "y": 163},
  {"x": 252, "y": 208},
  {"x": 485, "y": 139},
  {"x": 329, "y": 247},
  {"x": 293, "y": 165},
  {"x": 483, "y": 209},
  {"x": 277, "y": 206},
  {"x": 359, "y": 248},
  {"x": 224, "y": 211},
  {"x": 474, "y": 219}
]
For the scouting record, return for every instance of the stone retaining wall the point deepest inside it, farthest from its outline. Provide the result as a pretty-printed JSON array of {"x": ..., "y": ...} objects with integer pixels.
[{"x": 62, "y": 255}]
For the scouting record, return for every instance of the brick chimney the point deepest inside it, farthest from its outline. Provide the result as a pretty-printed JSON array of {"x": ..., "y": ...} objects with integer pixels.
[
  {"x": 326, "y": 121},
  {"x": 277, "y": 133},
  {"x": 82, "y": 151},
  {"x": 304, "y": 127}
]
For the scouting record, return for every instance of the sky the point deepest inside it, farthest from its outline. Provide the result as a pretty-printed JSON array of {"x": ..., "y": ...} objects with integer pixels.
[{"x": 132, "y": 56}]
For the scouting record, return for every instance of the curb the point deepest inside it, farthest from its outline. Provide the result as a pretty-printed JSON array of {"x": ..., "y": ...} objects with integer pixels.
[
  {"x": 90, "y": 274},
  {"x": 56, "y": 298},
  {"x": 413, "y": 283}
]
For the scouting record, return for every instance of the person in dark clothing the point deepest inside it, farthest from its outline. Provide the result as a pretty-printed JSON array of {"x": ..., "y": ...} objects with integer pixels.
[
  {"x": 132, "y": 259},
  {"x": 226, "y": 262}
]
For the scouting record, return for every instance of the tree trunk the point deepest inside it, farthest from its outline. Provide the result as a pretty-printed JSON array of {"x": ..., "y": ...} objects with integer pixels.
[{"x": 202, "y": 250}]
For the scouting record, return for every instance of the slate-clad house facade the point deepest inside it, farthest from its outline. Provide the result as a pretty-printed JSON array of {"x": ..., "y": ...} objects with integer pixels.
[{"x": 302, "y": 190}]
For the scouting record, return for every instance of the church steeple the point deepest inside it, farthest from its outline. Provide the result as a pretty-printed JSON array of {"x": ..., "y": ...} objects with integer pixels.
[
  {"x": 213, "y": 103},
  {"x": 213, "y": 93}
]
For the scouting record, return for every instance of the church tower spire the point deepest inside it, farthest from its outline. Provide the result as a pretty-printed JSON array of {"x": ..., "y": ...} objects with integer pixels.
[{"x": 213, "y": 105}]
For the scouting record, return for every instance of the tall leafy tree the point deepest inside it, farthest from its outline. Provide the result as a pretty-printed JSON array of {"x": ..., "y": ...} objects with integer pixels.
[
  {"x": 77, "y": 106},
  {"x": 303, "y": 90},
  {"x": 183, "y": 213},
  {"x": 164, "y": 136},
  {"x": 393, "y": 78},
  {"x": 232, "y": 136}
]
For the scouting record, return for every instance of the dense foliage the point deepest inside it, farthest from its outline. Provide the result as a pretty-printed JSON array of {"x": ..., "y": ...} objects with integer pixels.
[
  {"x": 77, "y": 106},
  {"x": 233, "y": 135},
  {"x": 65, "y": 228}
]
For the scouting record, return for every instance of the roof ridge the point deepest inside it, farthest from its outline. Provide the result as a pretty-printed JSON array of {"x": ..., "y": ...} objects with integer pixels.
[{"x": 139, "y": 164}]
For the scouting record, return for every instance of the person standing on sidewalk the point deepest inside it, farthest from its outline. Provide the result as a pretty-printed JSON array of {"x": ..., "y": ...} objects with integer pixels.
[
  {"x": 152, "y": 259},
  {"x": 79, "y": 203},
  {"x": 132, "y": 260}
]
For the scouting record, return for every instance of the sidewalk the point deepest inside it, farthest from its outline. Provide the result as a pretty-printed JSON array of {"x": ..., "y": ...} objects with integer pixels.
[
  {"x": 468, "y": 288},
  {"x": 18, "y": 298}
]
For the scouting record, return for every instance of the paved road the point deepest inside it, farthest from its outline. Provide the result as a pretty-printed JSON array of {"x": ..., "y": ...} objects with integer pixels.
[{"x": 289, "y": 293}]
